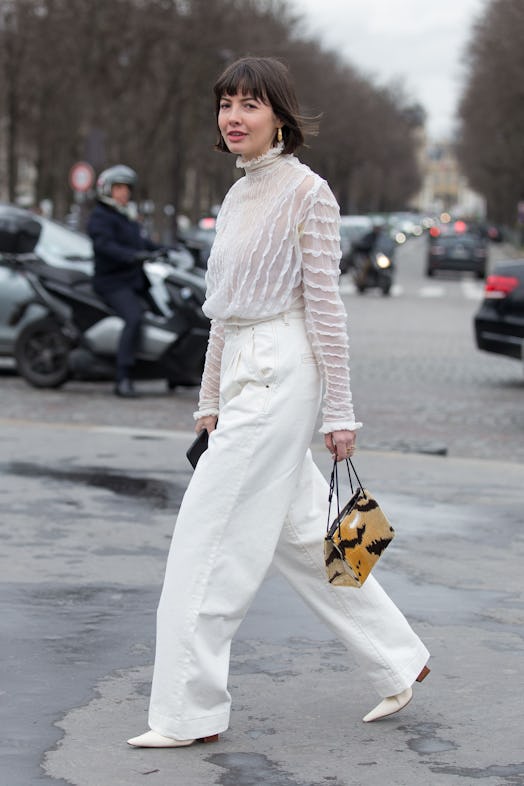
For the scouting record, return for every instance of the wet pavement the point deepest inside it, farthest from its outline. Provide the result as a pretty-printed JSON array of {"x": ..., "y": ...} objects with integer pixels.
[{"x": 86, "y": 518}]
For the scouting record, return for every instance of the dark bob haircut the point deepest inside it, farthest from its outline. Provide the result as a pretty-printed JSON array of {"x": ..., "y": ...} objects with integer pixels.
[{"x": 267, "y": 80}]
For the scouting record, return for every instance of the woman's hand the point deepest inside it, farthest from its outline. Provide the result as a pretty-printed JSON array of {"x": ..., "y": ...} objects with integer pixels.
[
  {"x": 209, "y": 423},
  {"x": 341, "y": 444}
]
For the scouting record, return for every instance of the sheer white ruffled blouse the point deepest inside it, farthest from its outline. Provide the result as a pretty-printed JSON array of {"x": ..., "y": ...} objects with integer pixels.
[{"x": 277, "y": 247}]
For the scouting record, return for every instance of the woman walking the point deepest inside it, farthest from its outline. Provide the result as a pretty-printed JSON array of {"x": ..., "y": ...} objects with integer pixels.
[{"x": 278, "y": 348}]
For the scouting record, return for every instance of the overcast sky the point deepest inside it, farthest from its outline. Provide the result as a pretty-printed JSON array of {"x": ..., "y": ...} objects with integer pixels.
[{"x": 419, "y": 41}]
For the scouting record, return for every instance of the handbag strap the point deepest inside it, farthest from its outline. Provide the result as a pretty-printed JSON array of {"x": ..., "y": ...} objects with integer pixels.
[{"x": 333, "y": 485}]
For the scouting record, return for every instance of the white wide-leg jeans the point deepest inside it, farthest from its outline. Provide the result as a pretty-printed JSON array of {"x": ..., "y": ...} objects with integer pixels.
[{"x": 256, "y": 497}]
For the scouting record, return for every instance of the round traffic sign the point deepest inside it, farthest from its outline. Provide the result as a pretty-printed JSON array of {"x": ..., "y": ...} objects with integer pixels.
[{"x": 82, "y": 176}]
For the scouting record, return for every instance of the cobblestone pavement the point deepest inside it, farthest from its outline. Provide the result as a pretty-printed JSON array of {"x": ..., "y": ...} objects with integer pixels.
[
  {"x": 419, "y": 383},
  {"x": 418, "y": 380}
]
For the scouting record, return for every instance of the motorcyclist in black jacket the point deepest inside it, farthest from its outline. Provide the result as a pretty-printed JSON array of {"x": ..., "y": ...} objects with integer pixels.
[
  {"x": 368, "y": 242},
  {"x": 374, "y": 254},
  {"x": 120, "y": 249}
]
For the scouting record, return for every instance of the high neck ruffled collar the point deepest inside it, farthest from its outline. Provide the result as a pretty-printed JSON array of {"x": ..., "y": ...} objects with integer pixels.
[{"x": 260, "y": 162}]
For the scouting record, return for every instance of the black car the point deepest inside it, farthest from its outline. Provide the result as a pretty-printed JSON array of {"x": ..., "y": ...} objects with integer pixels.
[
  {"x": 499, "y": 322},
  {"x": 457, "y": 249}
]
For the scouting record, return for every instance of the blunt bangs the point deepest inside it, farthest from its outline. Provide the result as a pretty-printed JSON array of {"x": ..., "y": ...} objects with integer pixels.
[{"x": 240, "y": 78}]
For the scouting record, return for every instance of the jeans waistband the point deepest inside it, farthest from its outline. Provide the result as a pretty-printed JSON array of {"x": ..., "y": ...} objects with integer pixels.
[{"x": 284, "y": 316}]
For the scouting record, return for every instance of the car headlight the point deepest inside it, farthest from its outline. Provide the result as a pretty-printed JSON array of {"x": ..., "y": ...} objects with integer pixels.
[{"x": 383, "y": 261}]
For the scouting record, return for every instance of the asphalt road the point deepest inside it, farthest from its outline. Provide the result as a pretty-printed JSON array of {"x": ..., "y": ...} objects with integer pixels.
[{"x": 90, "y": 486}]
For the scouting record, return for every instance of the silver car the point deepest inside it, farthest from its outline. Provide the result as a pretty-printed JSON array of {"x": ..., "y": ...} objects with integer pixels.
[{"x": 57, "y": 246}]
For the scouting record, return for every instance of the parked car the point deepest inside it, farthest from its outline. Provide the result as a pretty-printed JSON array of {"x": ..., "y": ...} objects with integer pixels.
[
  {"x": 499, "y": 321},
  {"x": 198, "y": 238},
  {"x": 352, "y": 228},
  {"x": 57, "y": 246},
  {"x": 494, "y": 233},
  {"x": 406, "y": 223},
  {"x": 457, "y": 247}
]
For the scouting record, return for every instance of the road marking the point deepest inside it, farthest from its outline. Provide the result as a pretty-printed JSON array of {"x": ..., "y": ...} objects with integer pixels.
[
  {"x": 347, "y": 287},
  {"x": 432, "y": 290},
  {"x": 469, "y": 289},
  {"x": 472, "y": 290}
]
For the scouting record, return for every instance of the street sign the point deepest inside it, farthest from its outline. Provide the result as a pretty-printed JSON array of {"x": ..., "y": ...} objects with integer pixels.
[{"x": 81, "y": 176}]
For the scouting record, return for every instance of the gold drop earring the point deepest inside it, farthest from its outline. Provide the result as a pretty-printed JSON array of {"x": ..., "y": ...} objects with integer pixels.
[{"x": 279, "y": 135}]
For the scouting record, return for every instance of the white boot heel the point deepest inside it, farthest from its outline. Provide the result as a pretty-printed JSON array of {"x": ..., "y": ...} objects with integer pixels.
[{"x": 392, "y": 704}]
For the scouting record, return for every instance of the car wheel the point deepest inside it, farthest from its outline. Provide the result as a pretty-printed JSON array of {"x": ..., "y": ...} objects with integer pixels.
[{"x": 42, "y": 354}]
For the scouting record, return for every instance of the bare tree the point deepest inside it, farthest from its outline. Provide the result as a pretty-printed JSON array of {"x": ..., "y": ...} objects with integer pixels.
[
  {"x": 130, "y": 81},
  {"x": 490, "y": 146},
  {"x": 13, "y": 54}
]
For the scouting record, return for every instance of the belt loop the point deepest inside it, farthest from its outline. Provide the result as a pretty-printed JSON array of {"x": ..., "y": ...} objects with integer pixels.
[{"x": 285, "y": 317}]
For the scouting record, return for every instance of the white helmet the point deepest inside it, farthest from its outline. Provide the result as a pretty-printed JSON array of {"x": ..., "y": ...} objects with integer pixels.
[{"x": 119, "y": 174}]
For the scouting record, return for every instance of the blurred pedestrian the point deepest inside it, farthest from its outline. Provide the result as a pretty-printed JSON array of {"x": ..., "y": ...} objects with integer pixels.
[
  {"x": 278, "y": 335},
  {"x": 120, "y": 250}
]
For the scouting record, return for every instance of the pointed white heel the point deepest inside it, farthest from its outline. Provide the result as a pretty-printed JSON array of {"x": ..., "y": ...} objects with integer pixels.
[
  {"x": 389, "y": 706},
  {"x": 392, "y": 704},
  {"x": 151, "y": 739}
]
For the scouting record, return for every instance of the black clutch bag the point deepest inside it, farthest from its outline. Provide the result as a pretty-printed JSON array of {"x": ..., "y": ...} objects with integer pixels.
[{"x": 197, "y": 447}]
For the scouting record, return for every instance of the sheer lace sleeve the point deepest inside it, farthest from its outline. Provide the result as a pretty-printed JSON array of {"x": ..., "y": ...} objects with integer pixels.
[
  {"x": 209, "y": 390},
  {"x": 326, "y": 317}
]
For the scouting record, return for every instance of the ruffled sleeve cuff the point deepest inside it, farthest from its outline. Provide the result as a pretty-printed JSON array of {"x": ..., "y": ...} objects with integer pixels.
[
  {"x": 329, "y": 426},
  {"x": 204, "y": 413}
]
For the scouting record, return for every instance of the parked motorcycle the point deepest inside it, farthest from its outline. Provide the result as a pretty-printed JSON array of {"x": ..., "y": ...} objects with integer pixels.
[{"x": 78, "y": 336}]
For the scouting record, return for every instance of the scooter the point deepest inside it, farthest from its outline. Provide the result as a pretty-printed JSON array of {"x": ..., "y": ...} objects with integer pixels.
[
  {"x": 78, "y": 336},
  {"x": 373, "y": 269}
]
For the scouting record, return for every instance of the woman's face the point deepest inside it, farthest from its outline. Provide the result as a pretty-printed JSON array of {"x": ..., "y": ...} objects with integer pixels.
[{"x": 248, "y": 125}]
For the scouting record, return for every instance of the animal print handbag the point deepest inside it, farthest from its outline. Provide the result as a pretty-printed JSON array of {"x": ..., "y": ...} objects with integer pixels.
[{"x": 358, "y": 535}]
